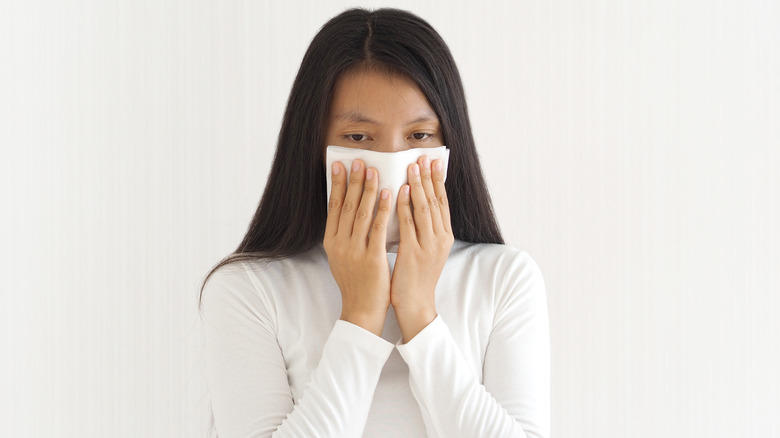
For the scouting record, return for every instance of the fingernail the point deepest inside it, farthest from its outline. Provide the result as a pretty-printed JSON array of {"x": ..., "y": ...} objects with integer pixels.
[
  {"x": 355, "y": 166},
  {"x": 437, "y": 166},
  {"x": 406, "y": 190},
  {"x": 384, "y": 194},
  {"x": 426, "y": 162},
  {"x": 369, "y": 174},
  {"x": 416, "y": 170},
  {"x": 335, "y": 169}
]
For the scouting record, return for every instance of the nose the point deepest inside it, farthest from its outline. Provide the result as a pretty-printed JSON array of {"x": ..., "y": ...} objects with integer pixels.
[{"x": 395, "y": 143}]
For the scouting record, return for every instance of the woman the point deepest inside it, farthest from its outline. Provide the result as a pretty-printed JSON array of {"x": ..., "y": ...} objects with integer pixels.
[{"x": 313, "y": 329}]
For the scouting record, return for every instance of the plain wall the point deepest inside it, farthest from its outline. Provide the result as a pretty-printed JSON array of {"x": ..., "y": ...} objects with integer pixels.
[{"x": 631, "y": 147}]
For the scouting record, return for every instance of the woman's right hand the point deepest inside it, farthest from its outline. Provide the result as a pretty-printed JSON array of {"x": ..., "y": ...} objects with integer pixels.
[{"x": 357, "y": 260}]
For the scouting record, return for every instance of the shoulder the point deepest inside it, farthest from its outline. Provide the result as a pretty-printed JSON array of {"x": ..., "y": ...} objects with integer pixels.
[
  {"x": 247, "y": 284},
  {"x": 226, "y": 288},
  {"x": 513, "y": 271},
  {"x": 488, "y": 255},
  {"x": 245, "y": 272},
  {"x": 231, "y": 277}
]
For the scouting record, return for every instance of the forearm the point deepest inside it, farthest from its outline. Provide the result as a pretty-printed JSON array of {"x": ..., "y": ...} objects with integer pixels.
[
  {"x": 452, "y": 400},
  {"x": 250, "y": 393},
  {"x": 341, "y": 389}
]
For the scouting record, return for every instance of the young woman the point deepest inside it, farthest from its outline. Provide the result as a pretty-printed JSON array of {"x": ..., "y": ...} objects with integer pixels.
[{"x": 313, "y": 328}]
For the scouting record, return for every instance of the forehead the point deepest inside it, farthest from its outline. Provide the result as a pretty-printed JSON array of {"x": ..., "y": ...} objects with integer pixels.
[{"x": 378, "y": 94}]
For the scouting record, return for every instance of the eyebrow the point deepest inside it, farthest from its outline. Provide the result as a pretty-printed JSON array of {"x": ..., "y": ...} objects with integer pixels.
[{"x": 358, "y": 117}]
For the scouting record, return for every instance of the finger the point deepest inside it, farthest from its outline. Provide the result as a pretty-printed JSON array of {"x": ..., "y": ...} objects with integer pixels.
[
  {"x": 351, "y": 201},
  {"x": 430, "y": 194},
  {"x": 378, "y": 237},
  {"x": 405, "y": 217},
  {"x": 365, "y": 211},
  {"x": 420, "y": 208},
  {"x": 337, "y": 189},
  {"x": 441, "y": 194}
]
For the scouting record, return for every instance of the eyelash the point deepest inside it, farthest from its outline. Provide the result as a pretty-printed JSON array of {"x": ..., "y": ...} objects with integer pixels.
[{"x": 427, "y": 134}]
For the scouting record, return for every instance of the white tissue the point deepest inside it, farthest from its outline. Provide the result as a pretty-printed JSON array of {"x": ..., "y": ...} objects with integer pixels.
[{"x": 391, "y": 167}]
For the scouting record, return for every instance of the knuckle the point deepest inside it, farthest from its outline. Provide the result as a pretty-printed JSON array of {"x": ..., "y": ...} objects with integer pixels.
[
  {"x": 347, "y": 207},
  {"x": 424, "y": 208},
  {"x": 443, "y": 199},
  {"x": 433, "y": 202},
  {"x": 409, "y": 220},
  {"x": 333, "y": 204},
  {"x": 378, "y": 226},
  {"x": 438, "y": 178},
  {"x": 416, "y": 183},
  {"x": 355, "y": 177},
  {"x": 362, "y": 214},
  {"x": 384, "y": 206}
]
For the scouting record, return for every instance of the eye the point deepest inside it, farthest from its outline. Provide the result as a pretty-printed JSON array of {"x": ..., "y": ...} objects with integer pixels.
[
  {"x": 422, "y": 135},
  {"x": 356, "y": 137}
]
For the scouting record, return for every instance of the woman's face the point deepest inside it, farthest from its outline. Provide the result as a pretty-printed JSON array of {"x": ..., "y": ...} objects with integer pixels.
[{"x": 381, "y": 112}]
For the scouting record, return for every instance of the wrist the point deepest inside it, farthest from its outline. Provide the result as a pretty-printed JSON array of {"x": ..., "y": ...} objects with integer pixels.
[
  {"x": 412, "y": 320},
  {"x": 372, "y": 321}
]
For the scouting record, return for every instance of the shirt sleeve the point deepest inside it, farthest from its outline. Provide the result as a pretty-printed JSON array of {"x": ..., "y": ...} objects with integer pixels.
[
  {"x": 514, "y": 398},
  {"x": 247, "y": 379}
]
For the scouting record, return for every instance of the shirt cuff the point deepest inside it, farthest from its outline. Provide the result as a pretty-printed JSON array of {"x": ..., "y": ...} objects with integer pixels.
[
  {"x": 429, "y": 334},
  {"x": 362, "y": 338}
]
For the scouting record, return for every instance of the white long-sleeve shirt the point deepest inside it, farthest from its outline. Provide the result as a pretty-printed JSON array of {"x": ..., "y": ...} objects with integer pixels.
[{"x": 280, "y": 363}]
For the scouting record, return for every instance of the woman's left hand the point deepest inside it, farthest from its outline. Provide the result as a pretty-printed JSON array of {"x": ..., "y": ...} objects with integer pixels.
[{"x": 426, "y": 239}]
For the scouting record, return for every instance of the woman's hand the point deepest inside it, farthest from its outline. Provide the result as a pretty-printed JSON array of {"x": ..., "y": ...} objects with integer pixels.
[
  {"x": 426, "y": 239},
  {"x": 358, "y": 261}
]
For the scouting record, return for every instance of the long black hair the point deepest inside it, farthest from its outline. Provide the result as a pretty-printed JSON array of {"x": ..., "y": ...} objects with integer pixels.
[{"x": 293, "y": 210}]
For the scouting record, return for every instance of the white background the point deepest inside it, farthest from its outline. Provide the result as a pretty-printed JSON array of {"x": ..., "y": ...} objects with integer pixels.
[{"x": 630, "y": 146}]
